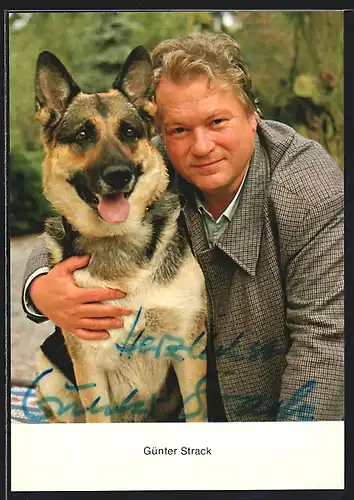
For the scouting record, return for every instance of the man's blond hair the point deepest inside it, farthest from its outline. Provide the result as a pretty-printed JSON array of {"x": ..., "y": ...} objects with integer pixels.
[{"x": 215, "y": 54}]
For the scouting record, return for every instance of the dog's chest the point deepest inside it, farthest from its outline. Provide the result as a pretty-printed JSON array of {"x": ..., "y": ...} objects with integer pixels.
[
  {"x": 137, "y": 356},
  {"x": 157, "y": 328}
]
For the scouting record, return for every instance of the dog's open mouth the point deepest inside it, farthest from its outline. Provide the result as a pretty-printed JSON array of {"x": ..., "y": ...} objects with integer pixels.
[{"x": 113, "y": 208}]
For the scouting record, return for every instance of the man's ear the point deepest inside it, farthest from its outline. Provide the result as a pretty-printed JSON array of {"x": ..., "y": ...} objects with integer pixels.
[
  {"x": 55, "y": 88},
  {"x": 135, "y": 80},
  {"x": 254, "y": 121}
]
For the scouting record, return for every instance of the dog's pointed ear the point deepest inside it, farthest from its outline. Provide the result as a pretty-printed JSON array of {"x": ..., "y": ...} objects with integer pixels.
[
  {"x": 135, "y": 80},
  {"x": 55, "y": 88}
]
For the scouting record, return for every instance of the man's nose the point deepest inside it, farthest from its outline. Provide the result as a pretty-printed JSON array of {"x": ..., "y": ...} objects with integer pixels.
[{"x": 203, "y": 143}]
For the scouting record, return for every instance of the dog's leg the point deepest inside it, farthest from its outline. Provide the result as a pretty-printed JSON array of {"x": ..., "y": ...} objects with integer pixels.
[
  {"x": 93, "y": 391},
  {"x": 191, "y": 374}
]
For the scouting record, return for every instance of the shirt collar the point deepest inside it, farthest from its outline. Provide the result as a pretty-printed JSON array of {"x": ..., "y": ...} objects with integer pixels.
[{"x": 229, "y": 210}]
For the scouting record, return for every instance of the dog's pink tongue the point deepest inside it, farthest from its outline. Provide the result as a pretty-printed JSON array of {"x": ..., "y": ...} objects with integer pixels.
[{"x": 114, "y": 209}]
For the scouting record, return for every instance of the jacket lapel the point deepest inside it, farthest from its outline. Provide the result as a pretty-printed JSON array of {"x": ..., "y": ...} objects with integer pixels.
[{"x": 242, "y": 239}]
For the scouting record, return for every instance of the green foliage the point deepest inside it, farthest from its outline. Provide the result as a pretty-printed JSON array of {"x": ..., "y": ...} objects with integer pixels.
[
  {"x": 296, "y": 63},
  {"x": 28, "y": 207},
  {"x": 112, "y": 40},
  {"x": 116, "y": 34},
  {"x": 63, "y": 34},
  {"x": 307, "y": 85},
  {"x": 265, "y": 39}
]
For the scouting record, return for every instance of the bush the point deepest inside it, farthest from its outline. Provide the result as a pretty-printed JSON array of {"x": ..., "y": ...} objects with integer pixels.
[{"x": 28, "y": 207}]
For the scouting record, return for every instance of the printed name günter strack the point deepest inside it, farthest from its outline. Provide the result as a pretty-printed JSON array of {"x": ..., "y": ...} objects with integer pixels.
[{"x": 184, "y": 450}]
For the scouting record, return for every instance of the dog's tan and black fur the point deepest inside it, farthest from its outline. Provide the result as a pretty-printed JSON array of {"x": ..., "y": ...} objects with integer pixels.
[{"x": 109, "y": 184}]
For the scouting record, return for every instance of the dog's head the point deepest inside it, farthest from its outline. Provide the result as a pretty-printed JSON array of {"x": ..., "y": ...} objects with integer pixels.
[{"x": 101, "y": 170}]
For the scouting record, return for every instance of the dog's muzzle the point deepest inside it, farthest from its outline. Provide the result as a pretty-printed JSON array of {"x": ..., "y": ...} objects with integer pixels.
[{"x": 107, "y": 190}]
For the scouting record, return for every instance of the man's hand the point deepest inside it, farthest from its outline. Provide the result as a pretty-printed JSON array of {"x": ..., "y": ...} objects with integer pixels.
[{"x": 74, "y": 309}]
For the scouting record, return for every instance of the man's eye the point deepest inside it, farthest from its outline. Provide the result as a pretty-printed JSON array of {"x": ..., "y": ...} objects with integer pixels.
[
  {"x": 81, "y": 136},
  {"x": 178, "y": 130},
  {"x": 218, "y": 121}
]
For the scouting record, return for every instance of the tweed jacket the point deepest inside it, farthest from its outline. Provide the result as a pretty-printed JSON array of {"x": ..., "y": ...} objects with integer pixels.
[{"x": 275, "y": 283}]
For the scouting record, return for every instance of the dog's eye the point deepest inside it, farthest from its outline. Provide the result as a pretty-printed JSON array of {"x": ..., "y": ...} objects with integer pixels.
[
  {"x": 81, "y": 136},
  {"x": 128, "y": 131}
]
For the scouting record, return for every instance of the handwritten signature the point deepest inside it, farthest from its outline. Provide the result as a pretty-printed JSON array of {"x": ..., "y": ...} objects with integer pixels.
[
  {"x": 295, "y": 408},
  {"x": 169, "y": 346},
  {"x": 136, "y": 407}
]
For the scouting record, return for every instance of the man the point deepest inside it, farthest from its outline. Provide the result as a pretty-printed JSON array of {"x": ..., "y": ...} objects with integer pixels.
[{"x": 264, "y": 213}]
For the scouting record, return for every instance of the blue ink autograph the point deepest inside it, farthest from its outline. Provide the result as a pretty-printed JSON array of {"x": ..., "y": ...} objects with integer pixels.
[
  {"x": 171, "y": 344},
  {"x": 295, "y": 407},
  {"x": 136, "y": 407}
]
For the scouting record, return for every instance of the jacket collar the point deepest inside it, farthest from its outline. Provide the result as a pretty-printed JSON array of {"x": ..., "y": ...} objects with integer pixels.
[{"x": 242, "y": 238}]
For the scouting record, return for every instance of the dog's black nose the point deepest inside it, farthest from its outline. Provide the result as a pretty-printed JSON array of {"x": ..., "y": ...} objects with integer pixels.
[{"x": 117, "y": 176}]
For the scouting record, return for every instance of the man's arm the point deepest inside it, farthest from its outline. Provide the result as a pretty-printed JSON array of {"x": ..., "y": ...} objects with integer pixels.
[
  {"x": 37, "y": 264},
  {"x": 313, "y": 382},
  {"x": 53, "y": 294}
]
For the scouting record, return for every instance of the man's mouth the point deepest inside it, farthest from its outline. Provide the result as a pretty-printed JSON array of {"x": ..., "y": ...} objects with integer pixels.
[{"x": 206, "y": 164}]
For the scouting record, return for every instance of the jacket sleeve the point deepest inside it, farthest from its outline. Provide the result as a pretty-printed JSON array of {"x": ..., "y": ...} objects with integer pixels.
[
  {"x": 38, "y": 263},
  {"x": 312, "y": 385}
]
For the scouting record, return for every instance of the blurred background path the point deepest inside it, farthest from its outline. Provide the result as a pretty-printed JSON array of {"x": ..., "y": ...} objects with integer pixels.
[{"x": 25, "y": 335}]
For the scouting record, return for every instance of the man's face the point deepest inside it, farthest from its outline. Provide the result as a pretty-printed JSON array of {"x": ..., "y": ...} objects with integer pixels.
[{"x": 208, "y": 135}]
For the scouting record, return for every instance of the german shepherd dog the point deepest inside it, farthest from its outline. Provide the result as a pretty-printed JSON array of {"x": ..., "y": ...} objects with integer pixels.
[{"x": 109, "y": 185}]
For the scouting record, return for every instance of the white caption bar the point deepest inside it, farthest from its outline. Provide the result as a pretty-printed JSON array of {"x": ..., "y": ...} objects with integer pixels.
[{"x": 241, "y": 456}]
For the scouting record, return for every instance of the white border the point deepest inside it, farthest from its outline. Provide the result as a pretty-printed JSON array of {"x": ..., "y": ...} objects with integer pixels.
[{"x": 110, "y": 457}]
